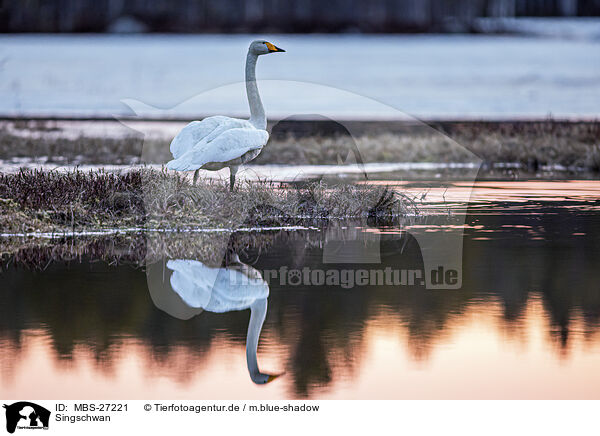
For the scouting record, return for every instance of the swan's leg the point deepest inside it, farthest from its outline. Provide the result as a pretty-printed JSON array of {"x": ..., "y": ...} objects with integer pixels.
[
  {"x": 232, "y": 171},
  {"x": 196, "y": 176}
]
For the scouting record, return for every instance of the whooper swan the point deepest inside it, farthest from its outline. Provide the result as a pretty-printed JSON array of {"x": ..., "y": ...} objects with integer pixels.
[{"x": 218, "y": 142}]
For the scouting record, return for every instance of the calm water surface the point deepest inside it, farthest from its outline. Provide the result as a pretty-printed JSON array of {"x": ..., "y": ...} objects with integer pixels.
[
  {"x": 428, "y": 76},
  {"x": 524, "y": 324}
]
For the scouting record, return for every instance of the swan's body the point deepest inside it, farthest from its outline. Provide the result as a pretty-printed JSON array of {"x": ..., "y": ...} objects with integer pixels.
[
  {"x": 237, "y": 287},
  {"x": 218, "y": 142},
  {"x": 217, "y": 290}
]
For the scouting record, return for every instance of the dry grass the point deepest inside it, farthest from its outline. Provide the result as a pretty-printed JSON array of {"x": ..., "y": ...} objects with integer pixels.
[
  {"x": 574, "y": 145},
  {"x": 382, "y": 147},
  {"x": 51, "y": 201},
  {"x": 532, "y": 144},
  {"x": 80, "y": 150}
]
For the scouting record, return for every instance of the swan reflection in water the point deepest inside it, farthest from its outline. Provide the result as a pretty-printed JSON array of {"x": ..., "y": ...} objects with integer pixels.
[{"x": 234, "y": 287}]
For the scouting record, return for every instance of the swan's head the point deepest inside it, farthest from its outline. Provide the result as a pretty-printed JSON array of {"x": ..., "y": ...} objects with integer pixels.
[{"x": 261, "y": 47}]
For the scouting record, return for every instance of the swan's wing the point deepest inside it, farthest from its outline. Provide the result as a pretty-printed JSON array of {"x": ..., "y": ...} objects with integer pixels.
[
  {"x": 197, "y": 131},
  {"x": 214, "y": 289},
  {"x": 228, "y": 145},
  {"x": 193, "y": 281},
  {"x": 235, "y": 291}
]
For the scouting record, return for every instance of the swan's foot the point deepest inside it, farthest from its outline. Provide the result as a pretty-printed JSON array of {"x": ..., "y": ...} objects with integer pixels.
[
  {"x": 196, "y": 176},
  {"x": 232, "y": 173}
]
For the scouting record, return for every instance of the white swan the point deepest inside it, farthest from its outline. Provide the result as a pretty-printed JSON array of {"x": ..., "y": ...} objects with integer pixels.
[
  {"x": 237, "y": 287},
  {"x": 218, "y": 142}
]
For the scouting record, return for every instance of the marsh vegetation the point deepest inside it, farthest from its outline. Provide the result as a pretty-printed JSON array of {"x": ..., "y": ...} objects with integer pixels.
[{"x": 52, "y": 201}]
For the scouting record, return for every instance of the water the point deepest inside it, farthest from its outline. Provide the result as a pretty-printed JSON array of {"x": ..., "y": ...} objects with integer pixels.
[
  {"x": 426, "y": 76},
  {"x": 524, "y": 324}
]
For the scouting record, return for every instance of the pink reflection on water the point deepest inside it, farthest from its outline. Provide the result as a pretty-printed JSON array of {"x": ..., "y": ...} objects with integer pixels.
[
  {"x": 477, "y": 354},
  {"x": 487, "y": 194}
]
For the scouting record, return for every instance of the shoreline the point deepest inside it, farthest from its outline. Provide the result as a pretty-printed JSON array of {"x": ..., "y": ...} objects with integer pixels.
[{"x": 542, "y": 148}]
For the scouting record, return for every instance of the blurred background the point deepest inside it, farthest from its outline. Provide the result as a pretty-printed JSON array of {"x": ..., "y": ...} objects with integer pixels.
[
  {"x": 297, "y": 16},
  {"x": 432, "y": 59}
]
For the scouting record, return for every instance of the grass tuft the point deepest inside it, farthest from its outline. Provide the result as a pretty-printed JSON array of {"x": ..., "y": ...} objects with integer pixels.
[{"x": 52, "y": 201}]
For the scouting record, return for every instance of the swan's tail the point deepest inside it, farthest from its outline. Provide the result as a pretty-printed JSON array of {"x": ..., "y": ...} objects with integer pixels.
[{"x": 182, "y": 165}]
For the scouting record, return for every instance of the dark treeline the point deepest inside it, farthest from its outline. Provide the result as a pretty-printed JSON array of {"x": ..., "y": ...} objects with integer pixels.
[{"x": 197, "y": 16}]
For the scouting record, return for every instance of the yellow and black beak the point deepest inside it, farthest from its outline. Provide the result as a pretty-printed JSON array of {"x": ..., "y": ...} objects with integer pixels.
[
  {"x": 272, "y": 48},
  {"x": 272, "y": 376}
]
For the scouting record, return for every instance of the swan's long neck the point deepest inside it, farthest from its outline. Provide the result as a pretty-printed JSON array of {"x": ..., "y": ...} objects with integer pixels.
[
  {"x": 257, "y": 112},
  {"x": 258, "y": 313}
]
